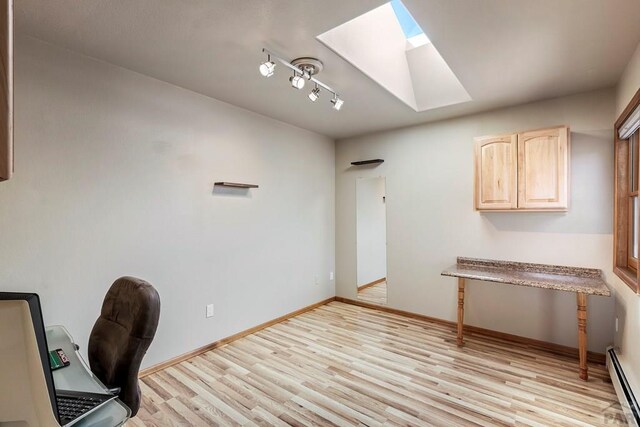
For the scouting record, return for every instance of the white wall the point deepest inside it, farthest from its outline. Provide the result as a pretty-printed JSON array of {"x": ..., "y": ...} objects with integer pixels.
[
  {"x": 114, "y": 176},
  {"x": 372, "y": 230},
  {"x": 431, "y": 221},
  {"x": 629, "y": 82},
  {"x": 627, "y": 302}
]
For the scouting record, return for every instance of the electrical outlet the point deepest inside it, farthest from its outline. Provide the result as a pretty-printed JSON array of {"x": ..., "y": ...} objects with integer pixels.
[
  {"x": 331, "y": 275},
  {"x": 616, "y": 324},
  {"x": 209, "y": 310}
]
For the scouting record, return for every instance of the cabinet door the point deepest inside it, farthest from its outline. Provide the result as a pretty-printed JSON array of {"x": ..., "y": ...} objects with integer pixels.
[
  {"x": 6, "y": 89},
  {"x": 496, "y": 159},
  {"x": 543, "y": 169}
]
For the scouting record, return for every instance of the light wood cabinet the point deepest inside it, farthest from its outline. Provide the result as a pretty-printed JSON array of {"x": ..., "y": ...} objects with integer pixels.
[
  {"x": 496, "y": 159},
  {"x": 527, "y": 171},
  {"x": 6, "y": 89},
  {"x": 543, "y": 169}
]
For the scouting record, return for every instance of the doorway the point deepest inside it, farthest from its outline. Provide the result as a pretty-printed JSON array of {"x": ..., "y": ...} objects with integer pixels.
[{"x": 371, "y": 240}]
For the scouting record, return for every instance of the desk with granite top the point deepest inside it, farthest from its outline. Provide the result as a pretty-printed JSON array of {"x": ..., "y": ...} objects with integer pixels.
[{"x": 582, "y": 281}]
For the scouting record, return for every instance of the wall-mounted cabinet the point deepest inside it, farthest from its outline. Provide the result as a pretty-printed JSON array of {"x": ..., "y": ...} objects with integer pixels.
[
  {"x": 527, "y": 171},
  {"x": 6, "y": 89}
]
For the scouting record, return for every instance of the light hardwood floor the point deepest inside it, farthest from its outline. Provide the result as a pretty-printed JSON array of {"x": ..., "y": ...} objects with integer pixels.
[
  {"x": 346, "y": 365},
  {"x": 376, "y": 294}
]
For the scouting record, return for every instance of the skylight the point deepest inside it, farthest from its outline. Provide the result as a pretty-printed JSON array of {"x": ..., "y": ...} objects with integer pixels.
[
  {"x": 389, "y": 47},
  {"x": 412, "y": 31}
]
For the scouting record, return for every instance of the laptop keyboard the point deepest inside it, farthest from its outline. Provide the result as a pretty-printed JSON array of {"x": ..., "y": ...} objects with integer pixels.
[{"x": 72, "y": 405}]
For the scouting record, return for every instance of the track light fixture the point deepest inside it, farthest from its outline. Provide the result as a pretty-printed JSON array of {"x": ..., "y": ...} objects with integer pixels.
[
  {"x": 297, "y": 82},
  {"x": 303, "y": 69},
  {"x": 337, "y": 102},
  {"x": 315, "y": 94},
  {"x": 268, "y": 67}
]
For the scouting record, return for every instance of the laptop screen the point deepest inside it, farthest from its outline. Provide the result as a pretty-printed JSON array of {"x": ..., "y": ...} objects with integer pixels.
[{"x": 26, "y": 382}]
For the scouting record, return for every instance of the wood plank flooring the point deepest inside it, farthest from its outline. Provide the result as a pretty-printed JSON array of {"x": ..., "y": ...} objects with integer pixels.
[
  {"x": 346, "y": 365},
  {"x": 376, "y": 294}
]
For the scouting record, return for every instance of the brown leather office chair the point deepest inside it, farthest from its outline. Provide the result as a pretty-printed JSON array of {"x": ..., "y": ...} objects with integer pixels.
[{"x": 121, "y": 336}]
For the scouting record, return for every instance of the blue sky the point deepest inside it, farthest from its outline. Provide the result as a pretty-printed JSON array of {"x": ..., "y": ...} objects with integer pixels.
[{"x": 408, "y": 24}]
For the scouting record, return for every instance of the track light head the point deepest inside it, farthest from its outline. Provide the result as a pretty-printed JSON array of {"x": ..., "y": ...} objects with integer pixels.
[
  {"x": 315, "y": 94},
  {"x": 337, "y": 103},
  {"x": 267, "y": 68},
  {"x": 297, "y": 81}
]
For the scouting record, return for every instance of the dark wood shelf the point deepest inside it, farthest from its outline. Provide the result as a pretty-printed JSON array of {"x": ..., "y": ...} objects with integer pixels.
[
  {"x": 368, "y": 162},
  {"x": 236, "y": 185}
]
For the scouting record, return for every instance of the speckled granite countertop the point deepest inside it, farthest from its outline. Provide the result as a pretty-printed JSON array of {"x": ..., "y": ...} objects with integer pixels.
[{"x": 571, "y": 279}]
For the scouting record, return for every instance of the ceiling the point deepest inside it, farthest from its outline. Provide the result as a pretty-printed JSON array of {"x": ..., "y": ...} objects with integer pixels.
[{"x": 504, "y": 52}]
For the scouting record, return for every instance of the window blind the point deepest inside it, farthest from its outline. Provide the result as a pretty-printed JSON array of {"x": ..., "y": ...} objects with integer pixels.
[{"x": 630, "y": 125}]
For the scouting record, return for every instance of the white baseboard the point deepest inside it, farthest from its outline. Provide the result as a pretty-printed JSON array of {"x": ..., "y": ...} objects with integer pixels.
[{"x": 623, "y": 391}]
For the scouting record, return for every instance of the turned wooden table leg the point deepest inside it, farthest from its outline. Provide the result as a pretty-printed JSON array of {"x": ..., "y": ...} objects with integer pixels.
[
  {"x": 582, "y": 335},
  {"x": 460, "y": 310}
]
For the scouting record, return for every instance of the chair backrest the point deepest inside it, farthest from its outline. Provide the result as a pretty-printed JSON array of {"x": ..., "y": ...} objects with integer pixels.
[{"x": 122, "y": 334}]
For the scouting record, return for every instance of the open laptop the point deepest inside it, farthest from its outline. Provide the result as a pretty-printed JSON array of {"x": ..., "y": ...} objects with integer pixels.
[{"x": 27, "y": 392}]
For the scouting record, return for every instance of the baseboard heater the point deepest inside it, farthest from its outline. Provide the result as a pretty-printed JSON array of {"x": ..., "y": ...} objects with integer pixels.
[{"x": 623, "y": 391}]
